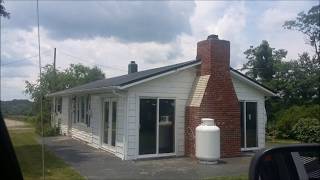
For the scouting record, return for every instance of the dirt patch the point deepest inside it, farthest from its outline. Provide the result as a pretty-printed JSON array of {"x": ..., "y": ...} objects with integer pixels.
[{"x": 14, "y": 124}]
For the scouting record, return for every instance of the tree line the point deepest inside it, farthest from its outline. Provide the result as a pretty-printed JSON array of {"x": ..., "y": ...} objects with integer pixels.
[{"x": 295, "y": 113}]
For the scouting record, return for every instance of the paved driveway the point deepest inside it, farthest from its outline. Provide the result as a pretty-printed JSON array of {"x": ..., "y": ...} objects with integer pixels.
[{"x": 97, "y": 164}]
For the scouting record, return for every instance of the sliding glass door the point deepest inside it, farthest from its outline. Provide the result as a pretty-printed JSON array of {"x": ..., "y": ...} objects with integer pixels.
[
  {"x": 248, "y": 124},
  {"x": 148, "y": 126},
  {"x": 156, "y": 130}
]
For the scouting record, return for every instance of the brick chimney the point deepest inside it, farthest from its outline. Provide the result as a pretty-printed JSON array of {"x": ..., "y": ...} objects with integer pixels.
[{"x": 213, "y": 96}]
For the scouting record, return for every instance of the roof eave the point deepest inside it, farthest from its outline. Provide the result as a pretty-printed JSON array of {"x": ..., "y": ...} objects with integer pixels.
[
  {"x": 125, "y": 86},
  {"x": 266, "y": 91},
  {"x": 82, "y": 91}
]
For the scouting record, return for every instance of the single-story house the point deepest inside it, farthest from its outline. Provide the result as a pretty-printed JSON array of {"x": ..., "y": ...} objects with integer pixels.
[{"x": 154, "y": 113}]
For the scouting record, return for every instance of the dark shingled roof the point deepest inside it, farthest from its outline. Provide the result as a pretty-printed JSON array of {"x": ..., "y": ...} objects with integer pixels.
[{"x": 125, "y": 79}]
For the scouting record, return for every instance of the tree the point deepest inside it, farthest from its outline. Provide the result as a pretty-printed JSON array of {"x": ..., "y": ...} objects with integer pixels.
[
  {"x": 308, "y": 24},
  {"x": 263, "y": 61},
  {"x": 52, "y": 81},
  {"x": 3, "y": 12}
]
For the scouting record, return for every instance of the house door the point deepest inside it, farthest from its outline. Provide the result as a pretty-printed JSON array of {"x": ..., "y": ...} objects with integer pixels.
[
  {"x": 109, "y": 123},
  {"x": 156, "y": 126},
  {"x": 248, "y": 124}
]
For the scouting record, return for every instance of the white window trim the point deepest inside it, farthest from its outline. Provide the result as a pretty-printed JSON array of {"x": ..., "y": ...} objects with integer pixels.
[
  {"x": 245, "y": 148},
  {"x": 157, "y": 154},
  {"x": 77, "y": 119}
]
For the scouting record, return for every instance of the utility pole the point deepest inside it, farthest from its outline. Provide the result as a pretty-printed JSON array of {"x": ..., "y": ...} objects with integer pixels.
[
  {"x": 54, "y": 59},
  {"x": 54, "y": 69}
]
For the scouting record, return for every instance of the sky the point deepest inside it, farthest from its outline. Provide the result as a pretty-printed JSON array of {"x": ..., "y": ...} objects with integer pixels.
[{"x": 110, "y": 34}]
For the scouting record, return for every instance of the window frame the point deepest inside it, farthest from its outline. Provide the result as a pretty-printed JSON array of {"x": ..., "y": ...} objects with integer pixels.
[{"x": 81, "y": 107}]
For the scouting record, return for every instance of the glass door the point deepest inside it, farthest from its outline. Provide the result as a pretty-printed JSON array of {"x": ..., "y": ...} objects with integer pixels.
[
  {"x": 251, "y": 124},
  {"x": 148, "y": 126},
  {"x": 248, "y": 124},
  {"x": 109, "y": 123},
  {"x": 166, "y": 125},
  {"x": 156, "y": 130}
]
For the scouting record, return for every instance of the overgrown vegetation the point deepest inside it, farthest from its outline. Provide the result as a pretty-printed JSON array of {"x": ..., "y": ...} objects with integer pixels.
[
  {"x": 295, "y": 113},
  {"x": 54, "y": 80}
]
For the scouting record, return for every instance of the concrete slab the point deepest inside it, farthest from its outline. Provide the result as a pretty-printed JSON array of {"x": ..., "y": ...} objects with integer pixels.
[{"x": 98, "y": 164}]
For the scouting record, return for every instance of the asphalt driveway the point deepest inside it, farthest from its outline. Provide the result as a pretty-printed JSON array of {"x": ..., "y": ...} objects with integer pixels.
[{"x": 97, "y": 164}]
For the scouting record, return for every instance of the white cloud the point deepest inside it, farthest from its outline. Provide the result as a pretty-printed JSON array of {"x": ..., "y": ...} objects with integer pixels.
[{"x": 232, "y": 21}]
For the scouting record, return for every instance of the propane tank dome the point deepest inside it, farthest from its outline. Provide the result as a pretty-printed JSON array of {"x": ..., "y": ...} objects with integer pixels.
[{"x": 208, "y": 141}]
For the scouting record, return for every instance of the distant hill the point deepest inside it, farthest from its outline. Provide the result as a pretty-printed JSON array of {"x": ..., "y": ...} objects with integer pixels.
[{"x": 16, "y": 107}]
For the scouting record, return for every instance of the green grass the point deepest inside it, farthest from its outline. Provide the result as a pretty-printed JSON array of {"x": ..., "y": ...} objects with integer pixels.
[
  {"x": 240, "y": 177},
  {"x": 28, "y": 152},
  {"x": 277, "y": 142}
]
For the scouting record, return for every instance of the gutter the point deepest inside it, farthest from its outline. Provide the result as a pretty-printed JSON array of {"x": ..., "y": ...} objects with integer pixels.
[{"x": 82, "y": 91}]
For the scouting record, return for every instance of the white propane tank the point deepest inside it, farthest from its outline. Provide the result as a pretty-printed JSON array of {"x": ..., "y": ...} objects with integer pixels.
[{"x": 208, "y": 141}]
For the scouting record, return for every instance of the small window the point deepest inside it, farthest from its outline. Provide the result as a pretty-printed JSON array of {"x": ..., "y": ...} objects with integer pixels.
[
  {"x": 82, "y": 107},
  {"x": 59, "y": 105},
  {"x": 88, "y": 110}
]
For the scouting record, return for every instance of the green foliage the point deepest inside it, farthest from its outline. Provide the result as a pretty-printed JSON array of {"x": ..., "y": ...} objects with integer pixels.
[
  {"x": 309, "y": 24},
  {"x": 55, "y": 80},
  {"x": 263, "y": 61},
  {"x": 307, "y": 130},
  {"x": 48, "y": 130},
  {"x": 3, "y": 12},
  {"x": 288, "y": 118},
  {"x": 16, "y": 107}
]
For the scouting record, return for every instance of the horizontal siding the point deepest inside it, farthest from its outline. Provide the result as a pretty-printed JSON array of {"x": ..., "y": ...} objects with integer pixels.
[
  {"x": 176, "y": 86},
  {"x": 248, "y": 93}
]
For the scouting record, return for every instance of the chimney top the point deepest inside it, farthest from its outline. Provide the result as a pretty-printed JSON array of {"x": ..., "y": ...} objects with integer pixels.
[
  {"x": 213, "y": 36},
  {"x": 132, "y": 67}
]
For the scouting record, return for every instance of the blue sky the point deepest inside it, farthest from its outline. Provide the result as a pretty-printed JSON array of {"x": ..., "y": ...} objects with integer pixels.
[{"x": 110, "y": 34}]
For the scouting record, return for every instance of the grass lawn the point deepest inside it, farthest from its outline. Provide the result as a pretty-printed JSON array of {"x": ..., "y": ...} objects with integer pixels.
[
  {"x": 278, "y": 142},
  {"x": 241, "y": 177},
  {"x": 28, "y": 152}
]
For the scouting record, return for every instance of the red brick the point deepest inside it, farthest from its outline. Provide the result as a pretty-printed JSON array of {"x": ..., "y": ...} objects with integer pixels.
[{"x": 219, "y": 102}]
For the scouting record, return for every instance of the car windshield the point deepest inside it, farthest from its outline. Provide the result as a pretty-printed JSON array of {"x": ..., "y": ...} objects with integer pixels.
[{"x": 157, "y": 89}]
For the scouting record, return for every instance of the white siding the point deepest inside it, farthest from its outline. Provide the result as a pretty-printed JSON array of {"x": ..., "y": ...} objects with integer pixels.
[
  {"x": 96, "y": 117},
  {"x": 64, "y": 115},
  {"x": 176, "y": 86},
  {"x": 93, "y": 134},
  {"x": 248, "y": 93}
]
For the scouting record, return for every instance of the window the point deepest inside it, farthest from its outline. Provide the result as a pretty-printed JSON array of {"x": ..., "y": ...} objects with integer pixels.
[
  {"x": 74, "y": 109},
  {"x": 58, "y": 105},
  {"x": 88, "y": 110},
  {"x": 81, "y": 109}
]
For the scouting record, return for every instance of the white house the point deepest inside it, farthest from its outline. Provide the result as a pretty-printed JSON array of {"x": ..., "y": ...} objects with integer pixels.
[{"x": 153, "y": 113}]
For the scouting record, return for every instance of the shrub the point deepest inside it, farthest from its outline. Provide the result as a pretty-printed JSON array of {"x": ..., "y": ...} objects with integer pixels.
[
  {"x": 48, "y": 130},
  {"x": 307, "y": 130},
  {"x": 288, "y": 118}
]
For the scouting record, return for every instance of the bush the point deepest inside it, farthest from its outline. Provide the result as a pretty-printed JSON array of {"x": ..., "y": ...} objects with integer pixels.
[
  {"x": 288, "y": 118},
  {"x": 48, "y": 130},
  {"x": 307, "y": 130}
]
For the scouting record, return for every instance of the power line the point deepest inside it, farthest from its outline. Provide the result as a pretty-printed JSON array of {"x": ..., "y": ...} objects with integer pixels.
[
  {"x": 41, "y": 108},
  {"x": 82, "y": 60},
  {"x": 23, "y": 59}
]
